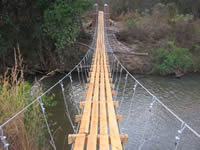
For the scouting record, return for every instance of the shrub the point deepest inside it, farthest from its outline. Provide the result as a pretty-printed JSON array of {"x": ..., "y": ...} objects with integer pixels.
[
  {"x": 171, "y": 59},
  {"x": 27, "y": 131}
]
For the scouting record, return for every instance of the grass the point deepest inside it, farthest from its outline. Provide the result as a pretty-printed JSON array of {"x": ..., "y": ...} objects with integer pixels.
[{"x": 27, "y": 131}]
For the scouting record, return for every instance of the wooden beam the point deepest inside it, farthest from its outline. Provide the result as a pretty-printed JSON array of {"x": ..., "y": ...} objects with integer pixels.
[
  {"x": 91, "y": 142},
  {"x": 72, "y": 138},
  {"x": 113, "y": 93},
  {"x": 104, "y": 142},
  {"x": 82, "y": 104},
  {"x": 87, "y": 86},
  {"x": 79, "y": 117}
]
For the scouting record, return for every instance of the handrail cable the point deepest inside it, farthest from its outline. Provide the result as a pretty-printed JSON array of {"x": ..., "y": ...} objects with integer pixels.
[{"x": 167, "y": 108}]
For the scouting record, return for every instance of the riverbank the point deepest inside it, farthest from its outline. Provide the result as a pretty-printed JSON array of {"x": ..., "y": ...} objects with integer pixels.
[
  {"x": 157, "y": 42},
  {"x": 42, "y": 63}
]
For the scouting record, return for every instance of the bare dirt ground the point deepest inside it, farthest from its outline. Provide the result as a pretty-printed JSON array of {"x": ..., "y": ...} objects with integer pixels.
[{"x": 131, "y": 58}]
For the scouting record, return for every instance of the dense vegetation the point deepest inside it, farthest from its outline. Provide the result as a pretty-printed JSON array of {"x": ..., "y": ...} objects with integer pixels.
[
  {"x": 28, "y": 130},
  {"x": 171, "y": 59},
  {"x": 152, "y": 25},
  {"x": 41, "y": 28},
  {"x": 124, "y": 6}
]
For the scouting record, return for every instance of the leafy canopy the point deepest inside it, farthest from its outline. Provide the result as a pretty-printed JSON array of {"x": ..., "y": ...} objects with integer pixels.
[
  {"x": 62, "y": 20},
  {"x": 172, "y": 58}
]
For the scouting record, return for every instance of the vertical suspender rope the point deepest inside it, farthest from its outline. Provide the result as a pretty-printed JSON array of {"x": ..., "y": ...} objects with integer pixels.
[
  {"x": 82, "y": 74},
  {"x": 113, "y": 71},
  {"x": 79, "y": 78},
  {"x": 179, "y": 134},
  {"x": 112, "y": 68},
  {"x": 146, "y": 123},
  {"x": 47, "y": 125},
  {"x": 66, "y": 106},
  {"x": 86, "y": 65},
  {"x": 3, "y": 140},
  {"x": 132, "y": 99},
  {"x": 73, "y": 96},
  {"x": 117, "y": 72},
  {"x": 85, "y": 68},
  {"x": 122, "y": 99},
  {"x": 119, "y": 83}
]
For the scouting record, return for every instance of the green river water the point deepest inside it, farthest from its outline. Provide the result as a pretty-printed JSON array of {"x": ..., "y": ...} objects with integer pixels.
[{"x": 155, "y": 130}]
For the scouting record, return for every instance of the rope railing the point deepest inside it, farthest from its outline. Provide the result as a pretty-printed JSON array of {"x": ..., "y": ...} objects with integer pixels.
[
  {"x": 117, "y": 65},
  {"x": 43, "y": 94}
]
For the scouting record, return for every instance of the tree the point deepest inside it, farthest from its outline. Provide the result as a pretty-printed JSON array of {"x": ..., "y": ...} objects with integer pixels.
[
  {"x": 62, "y": 20},
  {"x": 38, "y": 26}
]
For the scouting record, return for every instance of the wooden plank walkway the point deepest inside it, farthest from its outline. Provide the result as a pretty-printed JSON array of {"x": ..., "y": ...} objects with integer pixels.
[{"x": 99, "y": 122}]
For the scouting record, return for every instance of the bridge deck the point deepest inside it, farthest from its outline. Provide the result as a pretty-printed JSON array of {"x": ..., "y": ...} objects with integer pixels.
[{"x": 99, "y": 127}]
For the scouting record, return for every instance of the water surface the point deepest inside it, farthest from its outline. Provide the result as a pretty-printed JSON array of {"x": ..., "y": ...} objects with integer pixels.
[{"x": 147, "y": 130}]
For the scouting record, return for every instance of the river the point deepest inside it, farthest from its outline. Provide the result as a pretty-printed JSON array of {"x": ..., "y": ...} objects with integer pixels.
[{"x": 147, "y": 130}]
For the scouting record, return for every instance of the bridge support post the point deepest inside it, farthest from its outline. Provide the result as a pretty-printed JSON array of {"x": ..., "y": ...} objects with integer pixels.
[
  {"x": 107, "y": 14},
  {"x": 95, "y": 14}
]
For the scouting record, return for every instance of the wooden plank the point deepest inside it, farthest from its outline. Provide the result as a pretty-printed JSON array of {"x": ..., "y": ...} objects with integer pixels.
[
  {"x": 94, "y": 118},
  {"x": 103, "y": 114},
  {"x": 104, "y": 142},
  {"x": 85, "y": 122},
  {"x": 92, "y": 138},
  {"x": 92, "y": 142},
  {"x": 113, "y": 126},
  {"x": 95, "y": 111},
  {"x": 80, "y": 142}
]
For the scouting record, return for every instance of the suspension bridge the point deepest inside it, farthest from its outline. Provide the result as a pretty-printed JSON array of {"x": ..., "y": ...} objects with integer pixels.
[{"x": 96, "y": 124}]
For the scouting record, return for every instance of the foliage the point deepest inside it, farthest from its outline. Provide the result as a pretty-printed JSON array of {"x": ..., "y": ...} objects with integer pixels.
[
  {"x": 61, "y": 22},
  {"x": 124, "y": 6},
  {"x": 39, "y": 27},
  {"x": 28, "y": 130},
  {"x": 131, "y": 23},
  {"x": 60, "y": 19},
  {"x": 172, "y": 58},
  {"x": 164, "y": 23},
  {"x": 196, "y": 54},
  {"x": 181, "y": 18}
]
